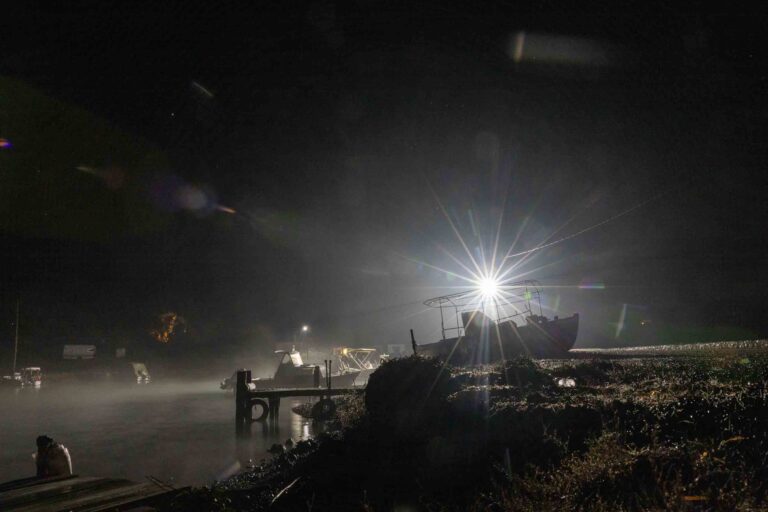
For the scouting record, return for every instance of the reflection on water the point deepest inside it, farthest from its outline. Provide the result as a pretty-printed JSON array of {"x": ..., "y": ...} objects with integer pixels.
[{"x": 182, "y": 433}]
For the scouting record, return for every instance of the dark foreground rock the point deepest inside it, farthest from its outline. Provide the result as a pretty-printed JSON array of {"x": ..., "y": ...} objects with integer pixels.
[{"x": 633, "y": 435}]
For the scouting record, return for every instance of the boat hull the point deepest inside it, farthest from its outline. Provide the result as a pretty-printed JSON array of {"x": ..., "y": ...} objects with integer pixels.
[
  {"x": 344, "y": 380},
  {"x": 539, "y": 338}
]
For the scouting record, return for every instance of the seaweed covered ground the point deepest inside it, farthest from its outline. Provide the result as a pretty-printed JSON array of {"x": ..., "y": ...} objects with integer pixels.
[{"x": 643, "y": 434}]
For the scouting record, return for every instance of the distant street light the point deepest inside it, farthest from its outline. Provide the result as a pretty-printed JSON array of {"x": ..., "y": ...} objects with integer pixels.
[{"x": 300, "y": 338}]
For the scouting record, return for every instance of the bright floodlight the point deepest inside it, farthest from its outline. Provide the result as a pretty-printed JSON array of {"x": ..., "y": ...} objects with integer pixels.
[
  {"x": 304, "y": 328},
  {"x": 488, "y": 287}
]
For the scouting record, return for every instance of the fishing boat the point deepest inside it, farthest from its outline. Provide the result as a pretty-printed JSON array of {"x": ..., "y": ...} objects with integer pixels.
[{"x": 480, "y": 328}]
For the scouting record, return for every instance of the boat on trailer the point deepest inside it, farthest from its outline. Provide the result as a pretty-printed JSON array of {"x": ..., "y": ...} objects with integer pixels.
[{"x": 479, "y": 328}]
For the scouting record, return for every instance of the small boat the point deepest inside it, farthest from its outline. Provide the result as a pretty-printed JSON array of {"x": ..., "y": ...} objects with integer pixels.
[
  {"x": 480, "y": 329},
  {"x": 342, "y": 379},
  {"x": 291, "y": 373},
  {"x": 141, "y": 373},
  {"x": 27, "y": 377},
  {"x": 358, "y": 363},
  {"x": 31, "y": 376}
]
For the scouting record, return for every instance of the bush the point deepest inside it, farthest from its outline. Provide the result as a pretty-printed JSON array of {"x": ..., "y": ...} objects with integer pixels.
[{"x": 404, "y": 394}]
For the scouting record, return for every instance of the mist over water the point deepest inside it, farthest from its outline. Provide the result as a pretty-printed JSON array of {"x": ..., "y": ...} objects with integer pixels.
[{"x": 180, "y": 432}]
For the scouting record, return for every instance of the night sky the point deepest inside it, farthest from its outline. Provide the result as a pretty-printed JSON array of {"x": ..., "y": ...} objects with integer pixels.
[{"x": 343, "y": 136}]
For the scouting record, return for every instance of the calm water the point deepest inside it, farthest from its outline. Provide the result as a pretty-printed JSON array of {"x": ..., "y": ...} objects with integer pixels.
[{"x": 180, "y": 433}]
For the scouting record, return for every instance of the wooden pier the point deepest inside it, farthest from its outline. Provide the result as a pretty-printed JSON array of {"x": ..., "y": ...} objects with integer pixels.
[
  {"x": 247, "y": 396},
  {"x": 80, "y": 494}
]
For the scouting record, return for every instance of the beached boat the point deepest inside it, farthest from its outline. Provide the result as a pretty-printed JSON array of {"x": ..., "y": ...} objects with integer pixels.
[{"x": 479, "y": 329}]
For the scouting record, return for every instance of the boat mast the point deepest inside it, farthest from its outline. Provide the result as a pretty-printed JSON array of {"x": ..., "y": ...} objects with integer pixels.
[{"x": 16, "y": 339}]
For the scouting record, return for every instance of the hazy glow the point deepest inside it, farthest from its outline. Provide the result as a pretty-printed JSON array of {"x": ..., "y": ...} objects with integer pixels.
[
  {"x": 489, "y": 275},
  {"x": 304, "y": 328},
  {"x": 489, "y": 272},
  {"x": 488, "y": 287}
]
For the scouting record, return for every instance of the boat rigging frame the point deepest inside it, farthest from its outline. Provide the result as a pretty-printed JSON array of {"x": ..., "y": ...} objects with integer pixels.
[{"x": 511, "y": 300}]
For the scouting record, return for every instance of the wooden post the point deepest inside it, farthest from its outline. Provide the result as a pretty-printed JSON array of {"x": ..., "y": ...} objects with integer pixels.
[
  {"x": 276, "y": 412},
  {"x": 273, "y": 414},
  {"x": 248, "y": 420},
  {"x": 16, "y": 339},
  {"x": 242, "y": 403}
]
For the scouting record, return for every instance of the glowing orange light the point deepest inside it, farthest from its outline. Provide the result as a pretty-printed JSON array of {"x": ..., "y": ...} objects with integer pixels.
[{"x": 169, "y": 322}]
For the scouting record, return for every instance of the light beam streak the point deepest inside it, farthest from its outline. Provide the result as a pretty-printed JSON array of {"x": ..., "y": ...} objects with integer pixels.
[{"x": 592, "y": 227}]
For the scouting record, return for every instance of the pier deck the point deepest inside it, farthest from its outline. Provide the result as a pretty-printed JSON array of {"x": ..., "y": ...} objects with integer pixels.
[
  {"x": 78, "y": 493},
  {"x": 247, "y": 396}
]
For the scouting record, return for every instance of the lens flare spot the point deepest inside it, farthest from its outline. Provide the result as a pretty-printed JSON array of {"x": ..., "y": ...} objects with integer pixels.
[
  {"x": 191, "y": 198},
  {"x": 591, "y": 284},
  {"x": 226, "y": 209}
]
